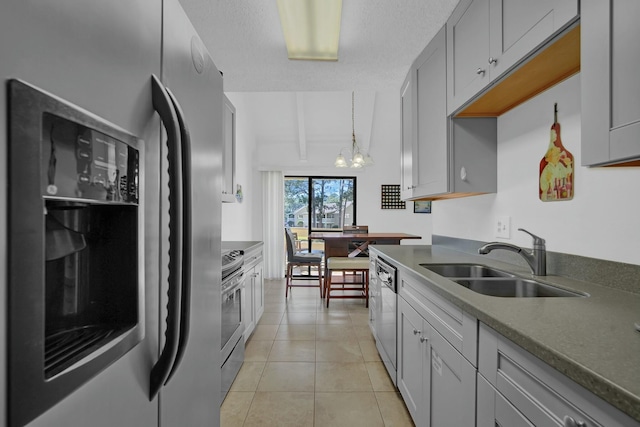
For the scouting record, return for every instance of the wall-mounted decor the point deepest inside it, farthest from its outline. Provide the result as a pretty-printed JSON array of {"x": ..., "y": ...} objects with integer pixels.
[
  {"x": 422, "y": 206},
  {"x": 239, "y": 195},
  {"x": 390, "y": 198},
  {"x": 556, "y": 167}
]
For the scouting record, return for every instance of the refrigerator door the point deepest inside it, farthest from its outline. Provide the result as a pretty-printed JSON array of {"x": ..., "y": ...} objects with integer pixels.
[
  {"x": 100, "y": 56},
  {"x": 191, "y": 394}
]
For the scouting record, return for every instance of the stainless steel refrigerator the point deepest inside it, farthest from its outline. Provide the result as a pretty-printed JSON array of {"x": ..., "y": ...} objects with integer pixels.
[{"x": 102, "y": 58}]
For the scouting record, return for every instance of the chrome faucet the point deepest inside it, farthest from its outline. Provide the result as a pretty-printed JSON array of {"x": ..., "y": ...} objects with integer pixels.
[{"x": 537, "y": 258}]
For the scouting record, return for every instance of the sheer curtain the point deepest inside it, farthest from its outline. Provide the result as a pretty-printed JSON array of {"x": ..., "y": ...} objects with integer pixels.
[{"x": 273, "y": 224}]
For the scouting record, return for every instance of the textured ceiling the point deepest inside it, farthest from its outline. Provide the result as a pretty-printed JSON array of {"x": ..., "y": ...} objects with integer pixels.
[{"x": 379, "y": 39}]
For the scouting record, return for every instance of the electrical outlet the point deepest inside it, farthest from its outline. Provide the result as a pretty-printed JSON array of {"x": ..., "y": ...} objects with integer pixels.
[{"x": 503, "y": 227}]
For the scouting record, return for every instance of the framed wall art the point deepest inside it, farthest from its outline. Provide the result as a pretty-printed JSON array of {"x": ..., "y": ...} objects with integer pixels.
[
  {"x": 421, "y": 206},
  {"x": 390, "y": 197}
]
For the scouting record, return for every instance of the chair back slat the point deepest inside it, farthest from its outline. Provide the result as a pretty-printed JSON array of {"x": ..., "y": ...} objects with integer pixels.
[{"x": 290, "y": 243}]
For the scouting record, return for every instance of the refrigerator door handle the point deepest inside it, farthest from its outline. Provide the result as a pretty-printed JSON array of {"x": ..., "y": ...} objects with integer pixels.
[
  {"x": 185, "y": 299},
  {"x": 163, "y": 105}
]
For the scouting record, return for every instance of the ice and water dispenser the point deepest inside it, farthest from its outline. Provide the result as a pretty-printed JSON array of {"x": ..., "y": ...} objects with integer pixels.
[{"x": 75, "y": 293}]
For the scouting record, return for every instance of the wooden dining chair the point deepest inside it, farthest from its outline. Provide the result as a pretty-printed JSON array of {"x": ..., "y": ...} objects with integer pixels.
[
  {"x": 352, "y": 285},
  {"x": 301, "y": 259}
]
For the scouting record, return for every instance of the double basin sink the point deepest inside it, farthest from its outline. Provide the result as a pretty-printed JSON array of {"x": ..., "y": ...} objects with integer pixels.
[{"x": 493, "y": 282}]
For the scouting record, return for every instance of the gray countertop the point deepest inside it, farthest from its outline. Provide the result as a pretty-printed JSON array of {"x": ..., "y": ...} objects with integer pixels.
[
  {"x": 591, "y": 340},
  {"x": 240, "y": 245}
]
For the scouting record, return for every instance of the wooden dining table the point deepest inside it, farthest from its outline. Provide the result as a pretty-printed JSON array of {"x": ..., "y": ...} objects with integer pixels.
[{"x": 337, "y": 244}]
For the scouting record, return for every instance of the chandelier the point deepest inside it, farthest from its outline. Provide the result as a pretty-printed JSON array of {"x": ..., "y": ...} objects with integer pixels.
[{"x": 358, "y": 158}]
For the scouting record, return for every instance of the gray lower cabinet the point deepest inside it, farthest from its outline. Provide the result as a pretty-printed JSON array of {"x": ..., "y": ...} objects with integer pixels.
[
  {"x": 436, "y": 382},
  {"x": 442, "y": 157},
  {"x": 253, "y": 303},
  {"x": 493, "y": 409},
  {"x": 609, "y": 81},
  {"x": 486, "y": 38},
  {"x": 517, "y": 389},
  {"x": 437, "y": 350}
]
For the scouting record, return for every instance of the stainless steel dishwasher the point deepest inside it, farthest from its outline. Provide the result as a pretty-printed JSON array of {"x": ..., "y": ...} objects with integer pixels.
[{"x": 385, "y": 320}]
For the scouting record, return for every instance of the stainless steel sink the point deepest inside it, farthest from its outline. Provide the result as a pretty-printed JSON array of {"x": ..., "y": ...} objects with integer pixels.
[
  {"x": 514, "y": 287},
  {"x": 465, "y": 270},
  {"x": 493, "y": 282}
]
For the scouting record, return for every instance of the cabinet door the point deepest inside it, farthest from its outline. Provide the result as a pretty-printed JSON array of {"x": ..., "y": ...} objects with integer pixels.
[
  {"x": 248, "y": 312},
  {"x": 432, "y": 143},
  {"x": 450, "y": 395},
  {"x": 411, "y": 353},
  {"x": 540, "y": 393},
  {"x": 610, "y": 85},
  {"x": 408, "y": 109},
  {"x": 494, "y": 410},
  {"x": 229, "y": 153},
  {"x": 519, "y": 26},
  {"x": 258, "y": 292},
  {"x": 467, "y": 51}
]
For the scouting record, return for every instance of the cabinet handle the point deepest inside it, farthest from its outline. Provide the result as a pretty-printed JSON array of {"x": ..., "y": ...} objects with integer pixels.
[
  {"x": 492, "y": 60},
  {"x": 422, "y": 339},
  {"x": 416, "y": 332},
  {"x": 480, "y": 71},
  {"x": 571, "y": 422}
]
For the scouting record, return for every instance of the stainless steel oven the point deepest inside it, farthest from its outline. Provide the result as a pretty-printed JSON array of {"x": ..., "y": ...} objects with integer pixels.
[
  {"x": 232, "y": 318},
  {"x": 386, "y": 317}
]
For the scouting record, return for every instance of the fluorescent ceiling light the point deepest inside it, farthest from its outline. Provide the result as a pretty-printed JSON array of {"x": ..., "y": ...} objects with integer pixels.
[{"x": 311, "y": 28}]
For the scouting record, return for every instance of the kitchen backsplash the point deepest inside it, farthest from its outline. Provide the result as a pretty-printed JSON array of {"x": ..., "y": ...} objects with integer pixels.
[{"x": 601, "y": 221}]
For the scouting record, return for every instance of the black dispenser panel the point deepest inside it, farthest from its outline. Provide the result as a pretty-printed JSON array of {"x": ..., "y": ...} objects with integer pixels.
[
  {"x": 80, "y": 162},
  {"x": 75, "y": 288}
]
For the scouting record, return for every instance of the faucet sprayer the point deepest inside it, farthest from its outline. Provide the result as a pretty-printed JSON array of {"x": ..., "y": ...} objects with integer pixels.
[{"x": 537, "y": 258}]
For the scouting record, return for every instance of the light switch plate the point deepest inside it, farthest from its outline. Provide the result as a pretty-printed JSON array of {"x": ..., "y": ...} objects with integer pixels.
[{"x": 503, "y": 227}]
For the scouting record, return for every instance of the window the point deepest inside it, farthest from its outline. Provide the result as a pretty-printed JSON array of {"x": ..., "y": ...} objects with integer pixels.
[{"x": 319, "y": 203}]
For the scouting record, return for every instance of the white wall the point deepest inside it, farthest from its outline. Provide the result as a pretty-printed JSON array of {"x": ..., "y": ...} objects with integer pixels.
[
  {"x": 601, "y": 221},
  {"x": 237, "y": 218},
  {"x": 254, "y": 155}
]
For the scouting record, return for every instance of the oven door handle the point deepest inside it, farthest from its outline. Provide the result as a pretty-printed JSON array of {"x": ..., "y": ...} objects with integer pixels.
[{"x": 164, "y": 106}]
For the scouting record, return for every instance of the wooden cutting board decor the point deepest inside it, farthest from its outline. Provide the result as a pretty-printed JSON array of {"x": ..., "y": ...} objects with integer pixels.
[{"x": 556, "y": 167}]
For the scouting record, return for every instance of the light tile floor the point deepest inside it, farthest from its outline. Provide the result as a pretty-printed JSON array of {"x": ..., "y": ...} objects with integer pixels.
[{"x": 308, "y": 365}]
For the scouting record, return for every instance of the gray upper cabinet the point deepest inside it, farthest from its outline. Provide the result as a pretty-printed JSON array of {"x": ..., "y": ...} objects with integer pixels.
[
  {"x": 488, "y": 37},
  {"x": 431, "y": 146},
  {"x": 229, "y": 153},
  {"x": 424, "y": 123},
  {"x": 610, "y": 85},
  {"x": 467, "y": 52},
  {"x": 517, "y": 27},
  {"x": 407, "y": 99},
  {"x": 441, "y": 157}
]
